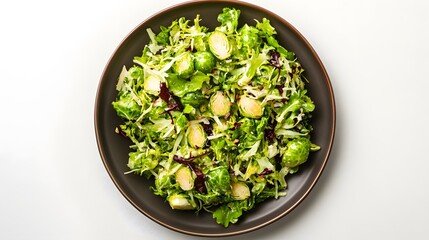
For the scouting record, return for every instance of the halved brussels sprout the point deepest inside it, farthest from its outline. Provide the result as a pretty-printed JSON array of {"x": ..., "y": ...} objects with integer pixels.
[
  {"x": 152, "y": 84},
  {"x": 218, "y": 180},
  {"x": 250, "y": 107},
  {"x": 196, "y": 136},
  {"x": 204, "y": 61},
  {"x": 219, "y": 45},
  {"x": 184, "y": 66},
  {"x": 184, "y": 178},
  {"x": 219, "y": 104},
  {"x": 179, "y": 201},
  {"x": 297, "y": 152},
  {"x": 240, "y": 191}
]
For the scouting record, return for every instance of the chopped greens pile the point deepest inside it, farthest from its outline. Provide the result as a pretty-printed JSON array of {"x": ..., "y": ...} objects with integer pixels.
[{"x": 217, "y": 118}]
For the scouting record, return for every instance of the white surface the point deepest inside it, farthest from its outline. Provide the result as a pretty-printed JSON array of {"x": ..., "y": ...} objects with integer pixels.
[{"x": 54, "y": 186}]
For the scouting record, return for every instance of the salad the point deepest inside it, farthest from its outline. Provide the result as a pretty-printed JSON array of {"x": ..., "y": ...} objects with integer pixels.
[{"x": 217, "y": 117}]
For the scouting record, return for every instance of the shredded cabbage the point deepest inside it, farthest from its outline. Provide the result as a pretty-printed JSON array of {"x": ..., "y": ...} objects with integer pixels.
[{"x": 257, "y": 143}]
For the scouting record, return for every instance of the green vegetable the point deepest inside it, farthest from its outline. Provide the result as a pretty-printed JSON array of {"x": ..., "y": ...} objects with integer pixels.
[
  {"x": 152, "y": 84},
  {"x": 219, "y": 104},
  {"x": 219, "y": 45},
  {"x": 204, "y": 61},
  {"x": 196, "y": 136},
  {"x": 181, "y": 87},
  {"x": 126, "y": 107},
  {"x": 231, "y": 212},
  {"x": 184, "y": 178},
  {"x": 218, "y": 181},
  {"x": 180, "y": 201},
  {"x": 194, "y": 99},
  {"x": 228, "y": 20},
  {"x": 296, "y": 153},
  {"x": 184, "y": 65},
  {"x": 250, "y": 107},
  {"x": 217, "y": 118},
  {"x": 240, "y": 190},
  {"x": 249, "y": 36}
]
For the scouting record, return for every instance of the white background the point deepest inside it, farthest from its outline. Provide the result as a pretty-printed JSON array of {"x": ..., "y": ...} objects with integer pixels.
[{"x": 53, "y": 183}]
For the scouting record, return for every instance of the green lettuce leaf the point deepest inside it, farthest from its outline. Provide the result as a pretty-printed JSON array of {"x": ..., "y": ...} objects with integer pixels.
[{"x": 180, "y": 87}]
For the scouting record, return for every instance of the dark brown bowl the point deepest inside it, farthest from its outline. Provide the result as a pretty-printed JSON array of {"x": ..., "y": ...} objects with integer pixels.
[{"x": 114, "y": 148}]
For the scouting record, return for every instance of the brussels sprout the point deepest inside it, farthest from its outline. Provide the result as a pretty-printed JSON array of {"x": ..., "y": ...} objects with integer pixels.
[
  {"x": 184, "y": 178},
  {"x": 218, "y": 180},
  {"x": 250, "y": 107},
  {"x": 179, "y": 201},
  {"x": 196, "y": 135},
  {"x": 204, "y": 61},
  {"x": 240, "y": 191},
  {"x": 219, "y": 45},
  {"x": 152, "y": 84},
  {"x": 184, "y": 66},
  {"x": 219, "y": 104},
  {"x": 296, "y": 153}
]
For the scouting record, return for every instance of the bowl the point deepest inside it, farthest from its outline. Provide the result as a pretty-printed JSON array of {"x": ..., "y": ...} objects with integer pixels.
[{"x": 114, "y": 148}]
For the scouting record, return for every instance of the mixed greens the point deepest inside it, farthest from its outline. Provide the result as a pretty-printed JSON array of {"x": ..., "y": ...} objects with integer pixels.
[{"x": 217, "y": 118}]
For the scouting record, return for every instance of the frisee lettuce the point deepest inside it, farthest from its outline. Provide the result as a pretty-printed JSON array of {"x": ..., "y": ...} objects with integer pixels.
[{"x": 227, "y": 107}]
